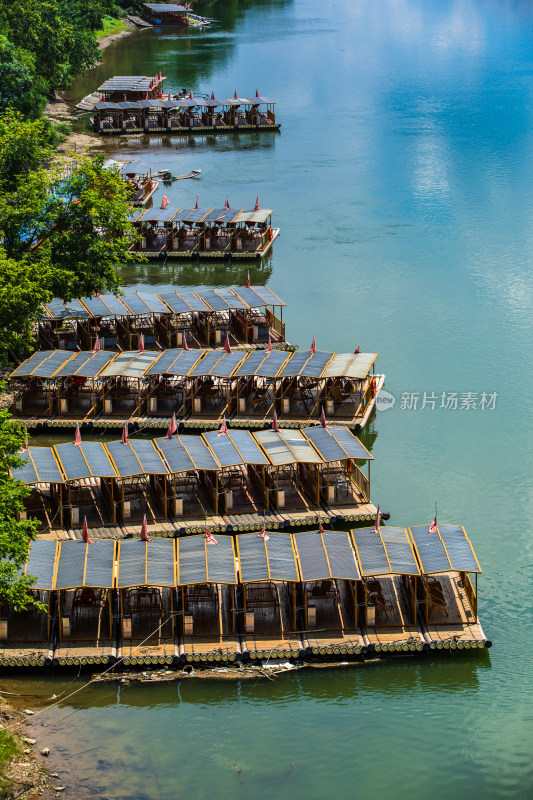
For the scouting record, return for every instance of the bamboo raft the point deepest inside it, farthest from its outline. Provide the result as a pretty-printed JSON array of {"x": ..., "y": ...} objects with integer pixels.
[
  {"x": 249, "y": 317},
  {"x": 300, "y": 598},
  {"x": 203, "y": 232},
  {"x": 199, "y": 387},
  {"x": 137, "y": 105},
  {"x": 233, "y": 479}
]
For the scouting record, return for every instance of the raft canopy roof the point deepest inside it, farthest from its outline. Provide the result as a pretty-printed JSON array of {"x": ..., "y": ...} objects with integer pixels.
[
  {"x": 128, "y": 83},
  {"x": 323, "y": 556},
  {"x": 287, "y": 446},
  {"x": 51, "y": 364},
  {"x": 200, "y": 562},
  {"x": 333, "y": 445},
  {"x": 210, "y": 451},
  {"x": 87, "y": 460},
  {"x": 137, "y": 457},
  {"x": 83, "y": 564},
  {"x": 41, "y": 564},
  {"x": 267, "y": 560},
  {"x": 176, "y": 362},
  {"x": 389, "y": 552},
  {"x": 42, "y": 364},
  {"x": 136, "y": 167},
  {"x": 138, "y": 303},
  {"x": 40, "y": 466},
  {"x": 142, "y": 563},
  {"x": 186, "y": 453},
  {"x": 130, "y": 364},
  {"x": 447, "y": 550},
  {"x": 165, "y": 7}
]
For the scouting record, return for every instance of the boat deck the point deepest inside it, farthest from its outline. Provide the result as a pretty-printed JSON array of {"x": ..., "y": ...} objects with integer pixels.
[
  {"x": 69, "y": 653},
  {"x": 25, "y": 654},
  {"x": 253, "y": 521},
  {"x": 454, "y": 625},
  {"x": 160, "y": 249},
  {"x": 152, "y": 651},
  {"x": 174, "y": 130},
  {"x": 394, "y": 628}
]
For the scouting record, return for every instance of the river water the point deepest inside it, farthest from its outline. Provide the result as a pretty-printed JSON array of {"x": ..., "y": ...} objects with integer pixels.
[{"x": 402, "y": 181}]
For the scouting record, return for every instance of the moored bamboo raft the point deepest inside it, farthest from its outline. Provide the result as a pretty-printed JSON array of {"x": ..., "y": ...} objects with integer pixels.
[{"x": 303, "y": 597}]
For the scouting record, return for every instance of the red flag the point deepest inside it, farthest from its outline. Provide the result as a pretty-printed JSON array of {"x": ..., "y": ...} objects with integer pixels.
[
  {"x": 125, "y": 433},
  {"x": 263, "y": 534},
  {"x": 226, "y": 204},
  {"x": 313, "y": 345},
  {"x": 433, "y": 527},
  {"x": 257, "y": 92},
  {"x": 96, "y": 347},
  {"x": 375, "y": 529},
  {"x": 144, "y": 531},
  {"x": 141, "y": 343},
  {"x": 256, "y": 207},
  {"x": 24, "y": 448},
  {"x": 269, "y": 347},
  {"x": 235, "y": 95},
  {"x": 212, "y": 96},
  {"x": 191, "y": 97},
  {"x": 125, "y": 97},
  {"x": 248, "y": 281},
  {"x": 77, "y": 436},
  {"x": 227, "y": 346},
  {"x": 275, "y": 423},
  {"x": 320, "y": 528},
  {"x": 210, "y": 539},
  {"x": 96, "y": 293},
  {"x": 172, "y": 427},
  {"x": 323, "y": 418},
  {"x": 196, "y": 206},
  {"x": 85, "y": 532},
  {"x": 164, "y": 201},
  {"x": 223, "y": 428},
  {"x": 185, "y": 345},
  {"x": 357, "y": 350}
]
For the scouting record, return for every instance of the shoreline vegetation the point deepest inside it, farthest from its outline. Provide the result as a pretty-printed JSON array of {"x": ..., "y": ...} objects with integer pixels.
[{"x": 53, "y": 225}]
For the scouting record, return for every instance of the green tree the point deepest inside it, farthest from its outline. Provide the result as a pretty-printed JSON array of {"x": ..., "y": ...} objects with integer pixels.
[
  {"x": 24, "y": 148},
  {"x": 56, "y": 33},
  {"x": 20, "y": 87},
  {"x": 21, "y": 294},
  {"x": 14, "y": 536},
  {"x": 73, "y": 228}
]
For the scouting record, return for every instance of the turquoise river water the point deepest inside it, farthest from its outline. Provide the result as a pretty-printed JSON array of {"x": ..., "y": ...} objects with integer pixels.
[{"x": 402, "y": 181}]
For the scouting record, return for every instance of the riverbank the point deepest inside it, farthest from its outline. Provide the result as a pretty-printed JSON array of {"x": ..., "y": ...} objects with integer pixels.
[
  {"x": 59, "y": 112},
  {"x": 21, "y": 775}
]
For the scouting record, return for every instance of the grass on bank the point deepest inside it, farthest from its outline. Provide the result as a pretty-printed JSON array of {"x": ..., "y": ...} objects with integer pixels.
[
  {"x": 8, "y": 748},
  {"x": 111, "y": 25}
]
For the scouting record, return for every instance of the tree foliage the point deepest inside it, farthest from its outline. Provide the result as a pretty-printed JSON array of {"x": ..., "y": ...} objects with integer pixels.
[{"x": 14, "y": 535}]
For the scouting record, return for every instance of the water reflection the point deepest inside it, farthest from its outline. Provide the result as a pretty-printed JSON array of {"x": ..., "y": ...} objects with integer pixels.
[
  {"x": 166, "y": 275},
  {"x": 98, "y": 735}
]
